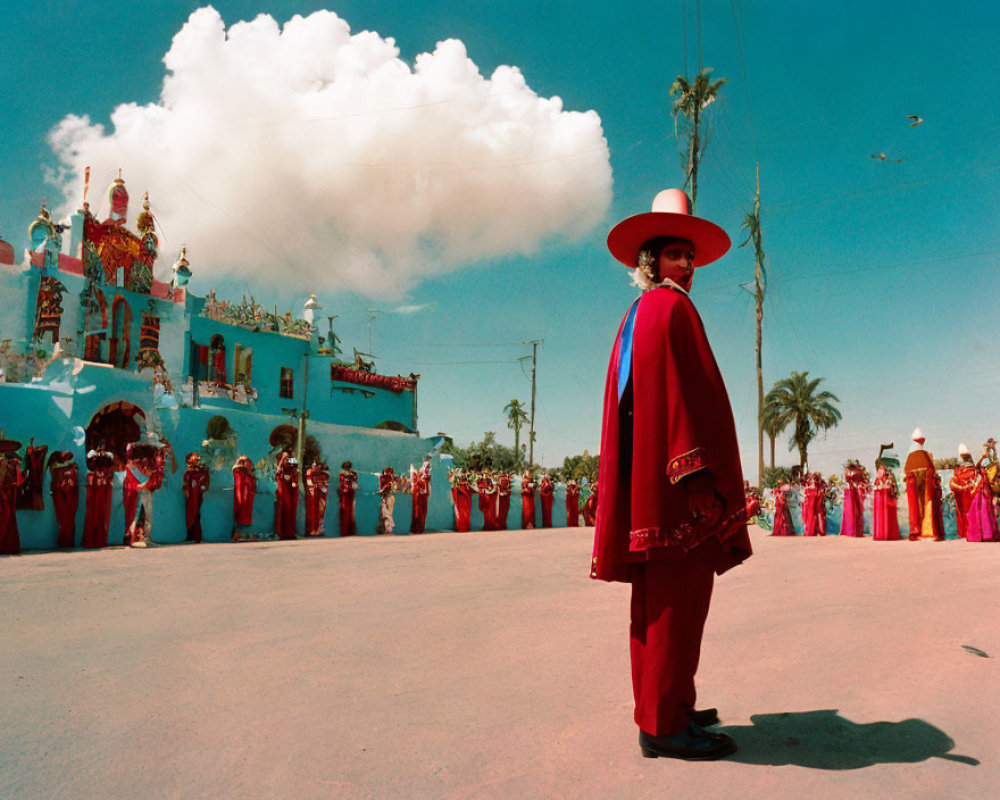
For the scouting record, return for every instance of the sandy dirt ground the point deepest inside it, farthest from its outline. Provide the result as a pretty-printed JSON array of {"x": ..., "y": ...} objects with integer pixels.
[{"x": 487, "y": 665}]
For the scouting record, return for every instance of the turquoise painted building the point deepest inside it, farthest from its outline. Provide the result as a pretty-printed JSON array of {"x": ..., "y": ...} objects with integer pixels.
[{"x": 95, "y": 351}]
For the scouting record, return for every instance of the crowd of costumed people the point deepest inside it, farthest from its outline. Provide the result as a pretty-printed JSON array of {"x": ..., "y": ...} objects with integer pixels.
[
  {"x": 493, "y": 492},
  {"x": 935, "y": 507},
  {"x": 22, "y": 472}
]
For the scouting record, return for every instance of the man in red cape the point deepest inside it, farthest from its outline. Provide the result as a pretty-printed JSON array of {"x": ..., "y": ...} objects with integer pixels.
[
  {"x": 286, "y": 496},
  {"x": 671, "y": 512},
  {"x": 572, "y": 504},
  {"x": 196, "y": 483},
  {"x": 527, "y": 501},
  {"x": 347, "y": 485},
  {"x": 244, "y": 490},
  {"x": 64, "y": 484}
]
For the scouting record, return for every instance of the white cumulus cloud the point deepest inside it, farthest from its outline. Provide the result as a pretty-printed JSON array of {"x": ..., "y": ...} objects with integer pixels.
[{"x": 304, "y": 153}]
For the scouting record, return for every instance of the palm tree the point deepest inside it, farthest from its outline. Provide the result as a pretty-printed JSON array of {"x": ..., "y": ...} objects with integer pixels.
[
  {"x": 795, "y": 401},
  {"x": 693, "y": 97},
  {"x": 752, "y": 223},
  {"x": 516, "y": 417},
  {"x": 769, "y": 424}
]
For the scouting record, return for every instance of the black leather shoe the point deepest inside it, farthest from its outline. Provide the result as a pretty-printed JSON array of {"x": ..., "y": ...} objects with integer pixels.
[
  {"x": 705, "y": 717},
  {"x": 692, "y": 744}
]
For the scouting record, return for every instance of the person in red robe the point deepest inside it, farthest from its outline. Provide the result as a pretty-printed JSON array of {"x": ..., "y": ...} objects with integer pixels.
[
  {"x": 752, "y": 501},
  {"x": 387, "y": 489},
  {"x": 461, "y": 496},
  {"x": 30, "y": 495},
  {"x": 144, "y": 472},
  {"x": 572, "y": 504},
  {"x": 503, "y": 500},
  {"x": 487, "y": 492},
  {"x": 244, "y": 491},
  {"x": 286, "y": 496},
  {"x": 810, "y": 506},
  {"x": 97, "y": 515},
  {"x": 11, "y": 481},
  {"x": 782, "y": 525},
  {"x": 546, "y": 491},
  {"x": 963, "y": 487},
  {"x": 196, "y": 483},
  {"x": 590, "y": 507},
  {"x": 885, "y": 516},
  {"x": 317, "y": 485},
  {"x": 64, "y": 484},
  {"x": 419, "y": 489},
  {"x": 347, "y": 485},
  {"x": 527, "y": 501},
  {"x": 671, "y": 513},
  {"x": 920, "y": 482}
]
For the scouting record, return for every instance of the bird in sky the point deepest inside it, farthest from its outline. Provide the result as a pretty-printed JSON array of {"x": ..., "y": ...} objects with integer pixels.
[
  {"x": 880, "y": 156},
  {"x": 914, "y": 120}
]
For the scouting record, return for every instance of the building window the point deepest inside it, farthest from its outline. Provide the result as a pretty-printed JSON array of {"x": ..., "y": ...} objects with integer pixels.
[{"x": 287, "y": 382}]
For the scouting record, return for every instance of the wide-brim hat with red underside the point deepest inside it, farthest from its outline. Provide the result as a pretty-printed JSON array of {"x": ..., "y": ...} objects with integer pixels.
[
  {"x": 671, "y": 216},
  {"x": 9, "y": 446}
]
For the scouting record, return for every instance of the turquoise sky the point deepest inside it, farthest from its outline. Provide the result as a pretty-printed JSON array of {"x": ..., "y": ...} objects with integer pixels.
[{"x": 882, "y": 274}]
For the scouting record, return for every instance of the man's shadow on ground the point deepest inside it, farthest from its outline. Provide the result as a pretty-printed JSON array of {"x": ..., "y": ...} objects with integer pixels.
[{"x": 825, "y": 740}]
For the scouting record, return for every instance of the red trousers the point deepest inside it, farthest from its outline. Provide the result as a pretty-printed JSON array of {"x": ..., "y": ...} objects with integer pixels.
[{"x": 670, "y": 602}]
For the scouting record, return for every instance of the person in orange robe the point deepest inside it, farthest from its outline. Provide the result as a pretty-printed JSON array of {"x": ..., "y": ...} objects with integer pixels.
[
  {"x": 963, "y": 487},
  {"x": 527, "y": 501},
  {"x": 244, "y": 491},
  {"x": 546, "y": 491},
  {"x": 590, "y": 507},
  {"x": 97, "y": 517},
  {"x": 503, "y": 501},
  {"x": 64, "y": 484},
  {"x": 195, "y": 486},
  {"x": 317, "y": 486},
  {"x": 347, "y": 485},
  {"x": 286, "y": 496},
  {"x": 572, "y": 504}
]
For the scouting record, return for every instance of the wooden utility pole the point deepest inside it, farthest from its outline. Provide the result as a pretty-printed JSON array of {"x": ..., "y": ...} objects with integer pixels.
[
  {"x": 758, "y": 274},
  {"x": 531, "y": 433}
]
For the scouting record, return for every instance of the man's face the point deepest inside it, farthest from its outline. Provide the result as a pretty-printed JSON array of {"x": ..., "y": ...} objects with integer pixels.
[{"x": 677, "y": 263}]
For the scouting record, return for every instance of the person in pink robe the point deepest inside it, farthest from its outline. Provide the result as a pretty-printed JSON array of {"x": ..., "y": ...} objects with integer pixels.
[
  {"x": 782, "y": 514},
  {"x": 855, "y": 486},
  {"x": 982, "y": 517},
  {"x": 885, "y": 517}
]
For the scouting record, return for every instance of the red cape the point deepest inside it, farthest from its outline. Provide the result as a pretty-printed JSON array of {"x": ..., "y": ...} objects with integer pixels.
[{"x": 681, "y": 423}]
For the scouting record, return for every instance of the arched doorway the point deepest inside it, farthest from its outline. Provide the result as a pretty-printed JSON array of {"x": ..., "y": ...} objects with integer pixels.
[
  {"x": 120, "y": 345},
  {"x": 114, "y": 427}
]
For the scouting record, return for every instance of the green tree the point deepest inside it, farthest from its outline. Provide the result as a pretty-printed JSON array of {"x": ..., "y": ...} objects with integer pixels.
[
  {"x": 516, "y": 417},
  {"x": 769, "y": 424},
  {"x": 693, "y": 97},
  {"x": 487, "y": 454},
  {"x": 578, "y": 467},
  {"x": 794, "y": 401}
]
